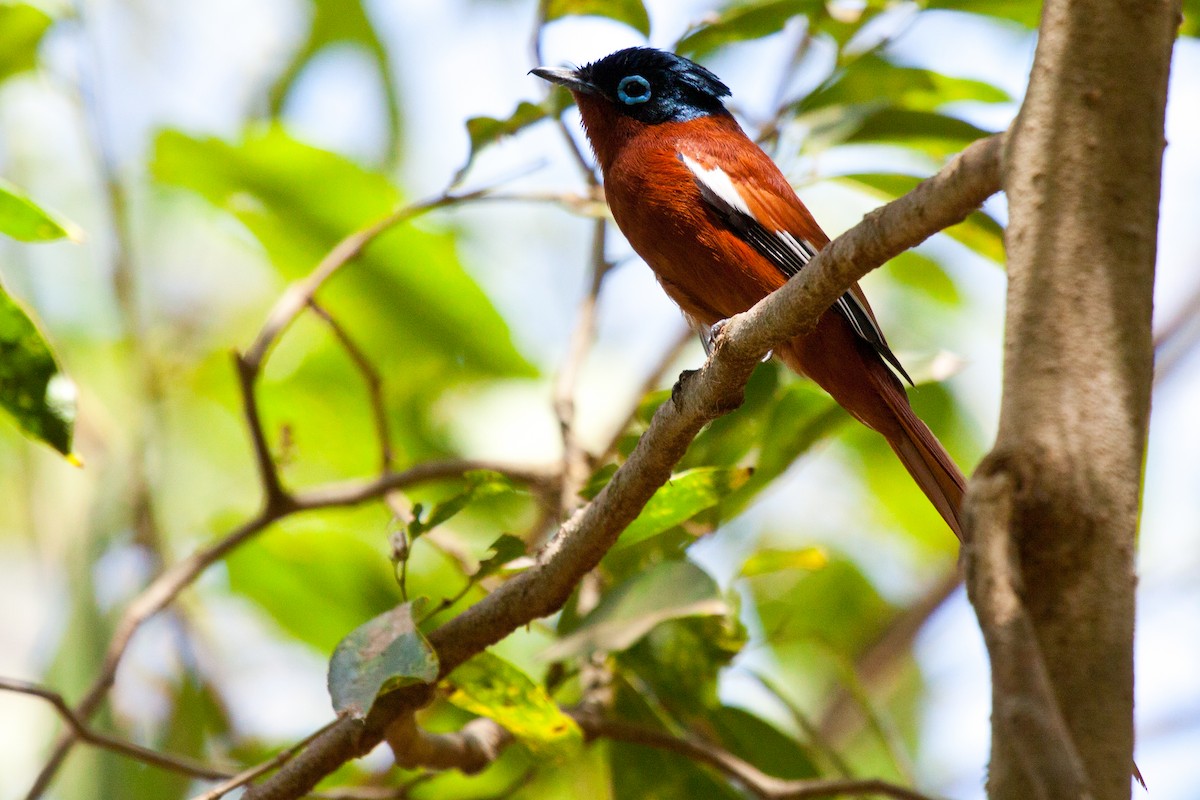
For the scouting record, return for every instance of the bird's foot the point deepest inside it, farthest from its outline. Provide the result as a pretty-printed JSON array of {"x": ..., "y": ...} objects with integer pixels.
[{"x": 709, "y": 338}]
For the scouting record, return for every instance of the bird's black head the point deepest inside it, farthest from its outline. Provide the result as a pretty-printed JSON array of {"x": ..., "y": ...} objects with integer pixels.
[{"x": 649, "y": 85}]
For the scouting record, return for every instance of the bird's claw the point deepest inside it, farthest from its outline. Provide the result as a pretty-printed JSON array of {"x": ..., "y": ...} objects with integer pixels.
[{"x": 709, "y": 338}]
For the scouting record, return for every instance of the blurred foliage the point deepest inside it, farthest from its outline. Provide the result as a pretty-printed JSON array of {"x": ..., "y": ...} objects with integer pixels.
[
  {"x": 21, "y": 29},
  {"x": 664, "y": 623},
  {"x": 631, "y": 12},
  {"x": 343, "y": 22},
  {"x": 24, "y": 220},
  {"x": 33, "y": 389}
]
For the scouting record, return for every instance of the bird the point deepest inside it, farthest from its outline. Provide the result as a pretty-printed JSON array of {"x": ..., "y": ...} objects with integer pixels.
[{"x": 721, "y": 227}]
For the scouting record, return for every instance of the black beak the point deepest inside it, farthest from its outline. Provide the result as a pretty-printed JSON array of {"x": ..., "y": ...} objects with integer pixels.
[{"x": 565, "y": 77}]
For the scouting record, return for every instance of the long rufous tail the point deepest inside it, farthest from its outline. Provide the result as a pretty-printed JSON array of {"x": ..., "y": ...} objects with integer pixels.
[
  {"x": 881, "y": 403},
  {"x": 927, "y": 460}
]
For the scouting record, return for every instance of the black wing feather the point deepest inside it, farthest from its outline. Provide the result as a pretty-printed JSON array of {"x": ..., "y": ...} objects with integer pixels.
[{"x": 790, "y": 255}]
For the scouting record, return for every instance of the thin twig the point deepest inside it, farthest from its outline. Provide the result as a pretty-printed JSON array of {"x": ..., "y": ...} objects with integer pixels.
[
  {"x": 373, "y": 381},
  {"x": 370, "y": 376},
  {"x": 810, "y": 729},
  {"x": 576, "y": 464},
  {"x": 274, "y": 495},
  {"x": 762, "y": 785},
  {"x": 882, "y": 657},
  {"x": 1175, "y": 338},
  {"x": 244, "y": 777},
  {"x": 297, "y": 296},
  {"x": 179, "y": 764},
  {"x": 167, "y": 586}
]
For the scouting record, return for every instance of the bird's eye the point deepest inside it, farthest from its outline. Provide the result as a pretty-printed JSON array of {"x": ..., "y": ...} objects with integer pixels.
[{"x": 633, "y": 89}]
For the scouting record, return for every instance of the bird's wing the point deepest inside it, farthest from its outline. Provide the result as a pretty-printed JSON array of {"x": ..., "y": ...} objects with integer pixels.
[{"x": 773, "y": 221}]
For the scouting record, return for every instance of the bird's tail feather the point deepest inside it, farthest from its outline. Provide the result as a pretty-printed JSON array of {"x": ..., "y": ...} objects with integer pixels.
[{"x": 926, "y": 459}]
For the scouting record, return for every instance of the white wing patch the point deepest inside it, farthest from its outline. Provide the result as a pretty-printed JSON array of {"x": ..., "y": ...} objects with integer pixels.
[
  {"x": 715, "y": 182},
  {"x": 781, "y": 248}
]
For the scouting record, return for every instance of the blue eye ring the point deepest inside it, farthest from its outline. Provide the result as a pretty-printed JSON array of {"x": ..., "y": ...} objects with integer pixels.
[{"x": 640, "y": 87}]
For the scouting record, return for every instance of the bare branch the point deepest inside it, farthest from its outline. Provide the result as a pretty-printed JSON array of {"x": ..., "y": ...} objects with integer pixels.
[
  {"x": 167, "y": 586},
  {"x": 179, "y": 764},
  {"x": 576, "y": 464},
  {"x": 299, "y": 294},
  {"x": 582, "y": 541},
  {"x": 275, "y": 497},
  {"x": 481, "y": 741},
  {"x": 469, "y": 750},
  {"x": 242, "y": 778},
  {"x": 372, "y": 379},
  {"x": 755, "y": 780}
]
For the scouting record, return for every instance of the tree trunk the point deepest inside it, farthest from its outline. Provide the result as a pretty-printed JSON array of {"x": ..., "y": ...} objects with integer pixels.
[{"x": 1053, "y": 510}]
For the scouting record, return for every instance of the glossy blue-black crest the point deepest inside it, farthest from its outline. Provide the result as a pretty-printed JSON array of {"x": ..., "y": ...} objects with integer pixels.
[{"x": 656, "y": 86}]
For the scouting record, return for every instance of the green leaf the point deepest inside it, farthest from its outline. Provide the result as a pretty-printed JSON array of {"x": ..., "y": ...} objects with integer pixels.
[
  {"x": 925, "y": 276},
  {"x": 641, "y": 772},
  {"x": 726, "y": 441},
  {"x": 491, "y": 687},
  {"x": 289, "y": 574},
  {"x": 681, "y": 498},
  {"x": 892, "y": 489},
  {"x": 762, "y": 744},
  {"x": 384, "y": 654},
  {"x": 33, "y": 389},
  {"x": 630, "y": 12},
  {"x": 25, "y": 221},
  {"x": 486, "y": 131},
  {"x": 598, "y": 480},
  {"x": 1191, "y": 18},
  {"x": 979, "y": 231},
  {"x": 768, "y": 560},
  {"x": 480, "y": 484},
  {"x": 433, "y": 324},
  {"x": 741, "y": 21},
  {"x": 626, "y": 613},
  {"x": 937, "y": 135},
  {"x": 681, "y": 659},
  {"x": 342, "y": 22},
  {"x": 872, "y": 79},
  {"x": 835, "y": 606},
  {"x": 505, "y": 549},
  {"x": 21, "y": 30},
  {"x": 800, "y": 416}
]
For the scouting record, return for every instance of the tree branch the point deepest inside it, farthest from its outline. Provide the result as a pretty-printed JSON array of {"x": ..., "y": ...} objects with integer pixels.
[
  {"x": 1024, "y": 707},
  {"x": 298, "y": 296},
  {"x": 180, "y": 764},
  {"x": 1057, "y": 500},
  {"x": 244, "y": 777},
  {"x": 481, "y": 741},
  {"x": 937, "y": 203},
  {"x": 760, "y": 784}
]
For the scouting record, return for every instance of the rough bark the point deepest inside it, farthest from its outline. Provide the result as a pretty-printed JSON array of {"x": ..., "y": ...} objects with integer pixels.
[{"x": 1054, "y": 508}]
